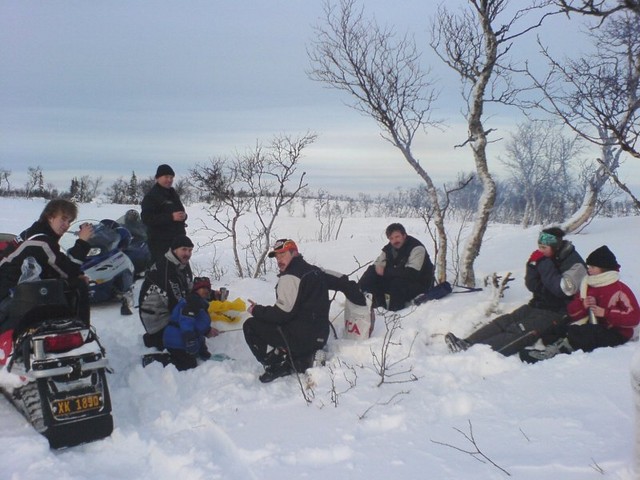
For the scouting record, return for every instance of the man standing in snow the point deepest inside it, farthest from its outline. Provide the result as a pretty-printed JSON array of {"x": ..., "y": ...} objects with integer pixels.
[
  {"x": 167, "y": 281},
  {"x": 402, "y": 271},
  {"x": 163, "y": 213},
  {"x": 284, "y": 337}
]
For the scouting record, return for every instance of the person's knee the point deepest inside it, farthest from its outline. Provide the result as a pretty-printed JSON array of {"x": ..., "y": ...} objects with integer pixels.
[
  {"x": 248, "y": 327},
  {"x": 369, "y": 278}
]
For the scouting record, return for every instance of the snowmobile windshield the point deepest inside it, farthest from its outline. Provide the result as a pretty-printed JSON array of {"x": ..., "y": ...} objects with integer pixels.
[{"x": 104, "y": 239}]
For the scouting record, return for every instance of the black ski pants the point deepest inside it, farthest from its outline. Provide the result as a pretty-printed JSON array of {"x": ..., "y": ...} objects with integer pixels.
[
  {"x": 510, "y": 333},
  {"x": 589, "y": 337},
  {"x": 260, "y": 335},
  {"x": 400, "y": 290}
]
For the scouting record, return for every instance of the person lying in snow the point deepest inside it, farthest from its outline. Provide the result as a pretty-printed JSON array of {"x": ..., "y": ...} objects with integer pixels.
[
  {"x": 553, "y": 274},
  {"x": 604, "y": 312}
]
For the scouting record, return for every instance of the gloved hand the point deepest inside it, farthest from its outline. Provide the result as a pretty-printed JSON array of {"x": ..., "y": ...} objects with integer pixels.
[{"x": 535, "y": 257}]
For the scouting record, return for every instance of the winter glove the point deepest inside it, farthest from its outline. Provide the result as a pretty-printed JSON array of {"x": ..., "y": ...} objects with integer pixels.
[{"x": 535, "y": 257}]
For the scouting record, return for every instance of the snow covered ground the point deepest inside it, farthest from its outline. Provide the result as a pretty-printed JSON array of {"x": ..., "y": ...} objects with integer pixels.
[{"x": 571, "y": 417}]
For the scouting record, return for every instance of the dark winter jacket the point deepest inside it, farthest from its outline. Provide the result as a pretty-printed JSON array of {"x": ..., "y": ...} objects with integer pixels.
[
  {"x": 157, "y": 208},
  {"x": 302, "y": 302},
  {"x": 41, "y": 243},
  {"x": 553, "y": 281},
  {"x": 166, "y": 282},
  {"x": 410, "y": 262},
  {"x": 189, "y": 325}
]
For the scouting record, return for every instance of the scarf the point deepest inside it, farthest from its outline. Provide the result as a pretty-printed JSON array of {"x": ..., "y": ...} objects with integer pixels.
[{"x": 599, "y": 280}]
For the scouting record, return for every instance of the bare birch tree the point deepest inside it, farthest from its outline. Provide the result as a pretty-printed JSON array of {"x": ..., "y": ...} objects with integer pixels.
[
  {"x": 381, "y": 72},
  {"x": 599, "y": 8},
  {"x": 598, "y": 96},
  {"x": 594, "y": 184},
  {"x": 262, "y": 181},
  {"x": 475, "y": 43},
  {"x": 35, "y": 182},
  {"x": 4, "y": 178},
  {"x": 273, "y": 180},
  {"x": 538, "y": 157},
  {"x": 219, "y": 182}
]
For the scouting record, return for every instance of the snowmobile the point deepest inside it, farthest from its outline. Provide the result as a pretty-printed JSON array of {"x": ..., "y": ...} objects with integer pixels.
[
  {"x": 54, "y": 368},
  {"x": 6, "y": 239},
  {"x": 138, "y": 249},
  {"x": 109, "y": 268}
]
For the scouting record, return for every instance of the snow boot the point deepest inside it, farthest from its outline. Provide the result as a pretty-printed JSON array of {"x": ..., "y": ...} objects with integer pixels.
[
  {"x": 125, "y": 309},
  {"x": 456, "y": 344},
  {"x": 319, "y": 358},
  {"x": 271, "y": 372},
  {"x": 533, "y": 355},
  {"x": 162, "y": 357}
]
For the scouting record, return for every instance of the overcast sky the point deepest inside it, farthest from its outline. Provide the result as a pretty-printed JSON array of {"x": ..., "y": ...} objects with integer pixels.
[{"x": 110, "y": 87}]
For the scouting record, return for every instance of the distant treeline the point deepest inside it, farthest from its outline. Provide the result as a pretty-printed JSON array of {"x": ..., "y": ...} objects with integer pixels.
[{"x": 554, "y": 202}]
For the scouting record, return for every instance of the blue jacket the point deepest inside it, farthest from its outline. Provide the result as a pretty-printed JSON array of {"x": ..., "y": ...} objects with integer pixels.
[{"x": 189, "y": 324}]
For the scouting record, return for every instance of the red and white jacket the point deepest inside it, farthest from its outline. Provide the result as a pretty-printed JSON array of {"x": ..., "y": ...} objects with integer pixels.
[{"x": 622, "y": 312}]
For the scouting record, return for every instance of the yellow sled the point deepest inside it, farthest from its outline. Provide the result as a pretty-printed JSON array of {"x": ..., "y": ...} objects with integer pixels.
[{"x": 219, "y": 311}]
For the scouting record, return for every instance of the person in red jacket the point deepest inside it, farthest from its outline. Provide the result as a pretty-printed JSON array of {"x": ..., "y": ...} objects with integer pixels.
[{"x": 603, "y": 313}]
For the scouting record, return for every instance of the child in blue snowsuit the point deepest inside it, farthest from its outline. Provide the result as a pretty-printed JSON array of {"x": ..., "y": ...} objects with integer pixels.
[{"x": 190, "y": 325}]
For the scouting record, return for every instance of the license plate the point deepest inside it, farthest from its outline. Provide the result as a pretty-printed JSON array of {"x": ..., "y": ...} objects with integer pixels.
[{"x": 83, "y": 403}]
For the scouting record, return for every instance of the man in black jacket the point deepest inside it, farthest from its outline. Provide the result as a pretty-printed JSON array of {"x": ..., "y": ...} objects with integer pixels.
[
  {"x": 167, "y": 281},
  {"x": 284, "y": 337},
  {"x": 402, "y": 271},
  {"x": 162, "y": 213}
]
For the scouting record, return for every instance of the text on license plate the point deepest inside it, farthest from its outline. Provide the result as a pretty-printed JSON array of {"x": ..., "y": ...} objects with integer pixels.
[{"x": 77, "y": 404}]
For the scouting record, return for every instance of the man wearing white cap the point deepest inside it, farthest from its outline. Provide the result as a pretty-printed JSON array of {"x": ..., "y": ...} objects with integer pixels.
[{"x": 284, "y": 337}]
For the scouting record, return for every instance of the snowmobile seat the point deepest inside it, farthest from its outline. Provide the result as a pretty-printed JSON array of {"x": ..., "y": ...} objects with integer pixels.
[{"x": 34, "y": 301}]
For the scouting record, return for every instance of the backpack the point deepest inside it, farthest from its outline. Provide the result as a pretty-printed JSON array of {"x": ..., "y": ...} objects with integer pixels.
[{"x": 434, "y": 293}]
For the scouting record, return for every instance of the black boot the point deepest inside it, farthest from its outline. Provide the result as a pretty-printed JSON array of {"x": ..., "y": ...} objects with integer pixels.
[{"x": 271, "y": 372}]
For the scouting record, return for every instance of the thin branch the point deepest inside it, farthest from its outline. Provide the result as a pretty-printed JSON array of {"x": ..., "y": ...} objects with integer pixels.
[{"x": 476, "y": 452}]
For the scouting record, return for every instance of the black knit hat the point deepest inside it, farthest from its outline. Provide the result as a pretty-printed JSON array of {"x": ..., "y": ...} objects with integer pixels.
[
  {"x": 165, "y": 169},
  {"x": 181, "y": 241},
  {"x": 604, "y": 258}
]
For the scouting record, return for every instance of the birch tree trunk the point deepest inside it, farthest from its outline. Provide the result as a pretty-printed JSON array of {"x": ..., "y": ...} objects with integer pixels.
[
  {"x": 478, "y": 143},
  {"x": 468, "y": 43},
  {"x": 610, "y": 162}
]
